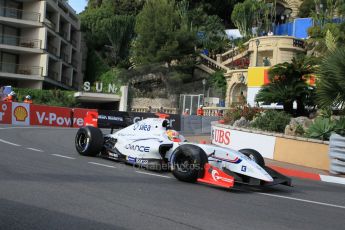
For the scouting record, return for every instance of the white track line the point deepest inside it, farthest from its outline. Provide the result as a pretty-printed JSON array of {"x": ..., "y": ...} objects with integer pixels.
[
  {"x": 99, "y": 164},
  {"x": 153, "y": 174},
  {"x": 37, "y": 150},
  {"x": 9, "y": 143},
  {"x": 58, "y": 155},
  {"x": 302, "y": 200}
]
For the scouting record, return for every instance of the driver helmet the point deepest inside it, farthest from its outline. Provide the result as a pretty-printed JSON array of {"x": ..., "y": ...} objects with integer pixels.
[
  {"x": 28, "y": 97},
  {"x": 173, "y": 135}
]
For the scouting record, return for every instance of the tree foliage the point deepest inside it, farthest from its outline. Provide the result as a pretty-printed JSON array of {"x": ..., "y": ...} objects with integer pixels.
[
  {"x": 288, "y": 84},
  {"x": 331, "y": 83},
  {"x": 162, "y": 33}
]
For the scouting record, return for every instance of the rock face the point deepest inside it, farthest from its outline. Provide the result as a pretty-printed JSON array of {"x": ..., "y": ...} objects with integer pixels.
[
  {"x": 242, "y": 122},
  {"x": 297, "y": 126}
]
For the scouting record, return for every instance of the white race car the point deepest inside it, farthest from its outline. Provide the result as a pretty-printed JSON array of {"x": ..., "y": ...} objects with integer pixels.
[{"x": 151, "y": 143}]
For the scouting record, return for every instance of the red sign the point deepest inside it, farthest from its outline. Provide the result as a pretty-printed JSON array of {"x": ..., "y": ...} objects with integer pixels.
[
  {"x": 5, "y": 112},
  {"x": 220, "y": 136},
  {"x": 50, "y": 116},
  {"x": 79, "y": 116}
]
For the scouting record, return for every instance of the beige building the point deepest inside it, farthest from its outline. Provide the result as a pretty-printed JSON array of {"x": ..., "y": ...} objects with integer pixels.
[{"x": 39, "y": 44}]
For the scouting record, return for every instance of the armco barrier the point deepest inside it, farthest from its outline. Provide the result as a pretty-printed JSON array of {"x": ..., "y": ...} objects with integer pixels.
[
  {"x": 79, "y": 116},
  {"x": 50, "y": 116},
  {"x": 337, "y": 154},
  {"x": 24, "y": 114}
]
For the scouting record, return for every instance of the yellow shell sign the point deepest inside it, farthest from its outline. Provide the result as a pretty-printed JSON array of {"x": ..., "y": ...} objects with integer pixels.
[{"x": 20, "y": 113}]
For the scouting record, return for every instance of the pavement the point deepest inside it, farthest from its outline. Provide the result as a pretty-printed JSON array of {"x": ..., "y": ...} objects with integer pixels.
[
  {"x": 46, "y": 184},
  {"x": 287, "y": 169}
]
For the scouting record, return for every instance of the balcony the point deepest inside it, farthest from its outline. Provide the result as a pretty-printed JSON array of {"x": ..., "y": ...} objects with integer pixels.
[
  {"x": 19, "y": 14},
  {"x": 74, "y": 42},
  {"x": 64, "y": 34},
  {"x": 65, "y": 57},
  {"x": 75, "y": 63},
  {"x": 50, "y": 24},
  {"x": 52, "y": 49},
  {"x": 53, "y": 75},
  {"x": 20, "y": 41},
  {"x": 20, "y": 69}
]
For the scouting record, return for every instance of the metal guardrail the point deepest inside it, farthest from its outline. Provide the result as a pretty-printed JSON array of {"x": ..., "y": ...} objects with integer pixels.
[
  {"x": 337, "y": 154},
  {"x": 20, "y": 69},
  {"x": 20, "y": 41},
  {"x": 19, "y": 14}
]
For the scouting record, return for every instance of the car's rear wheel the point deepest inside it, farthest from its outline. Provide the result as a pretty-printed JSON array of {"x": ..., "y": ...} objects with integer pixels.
[
  {"x": 89, "y": 141},
  {"x": 254, "y": 155},
  {"x": 188, "y": 163}
]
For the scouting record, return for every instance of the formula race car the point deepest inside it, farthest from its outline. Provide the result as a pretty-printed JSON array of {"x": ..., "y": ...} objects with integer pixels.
[{"x": 151, "y": 144}]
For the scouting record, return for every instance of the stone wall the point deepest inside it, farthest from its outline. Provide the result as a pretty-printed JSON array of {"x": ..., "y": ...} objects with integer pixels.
[{"x": 154, "y": 102}]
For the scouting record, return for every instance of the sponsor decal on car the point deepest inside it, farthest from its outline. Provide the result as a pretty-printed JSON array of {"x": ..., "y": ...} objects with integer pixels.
[
  {"x": 244, "y": 168},
  {"x": 131, "y": 159},
  {"x": 234, "y": 161},
  {"x": 217, "y": 177},
  {"x": 143, "y": 127},
  {"x": 139, "y": 148},
  {"x": 142, "y": 161}
]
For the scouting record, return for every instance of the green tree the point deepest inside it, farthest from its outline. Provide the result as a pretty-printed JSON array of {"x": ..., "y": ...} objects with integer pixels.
[
  {"x": 331, "y": 82},
  {"x": 162, "y": 35},
  {"x": 288, "y": 84},
  {"x": 249, "y": 14}
]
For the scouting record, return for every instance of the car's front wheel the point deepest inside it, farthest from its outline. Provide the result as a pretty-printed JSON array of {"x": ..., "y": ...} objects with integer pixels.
[
  {"x": 89, "y": 141},
  {"x": 188, "y": 163},
  {"x": 254, "y": 155}
]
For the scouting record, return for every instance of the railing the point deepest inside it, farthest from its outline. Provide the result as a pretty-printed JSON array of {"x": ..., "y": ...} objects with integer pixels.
[
  {"x": 154, "y": 110},
  {"x": 50, "y": 24},
  {"x": 19, "y": 14},
  {"x": 212, "y": 64},
  {"x": 234, "y": 52},
  {"x": 215, "y": 111},
  {"x": 20, "y": 69},
  {"x": 65, "y": 57},
  {"x": 298, "y": 43},
  {"x": 53, "y": 75},
  {"x": 20, "y": 41}
]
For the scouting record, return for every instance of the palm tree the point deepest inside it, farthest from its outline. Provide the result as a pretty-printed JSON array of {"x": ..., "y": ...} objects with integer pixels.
[
  {"x": 331, "y": 82},
  {"x": 288, "y": 83}
]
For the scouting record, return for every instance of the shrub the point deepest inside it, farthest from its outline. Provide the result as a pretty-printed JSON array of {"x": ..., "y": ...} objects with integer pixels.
[
  {"x": 322, "y": 128},
  {"x": 48, "y": 97},
  {"x": 237, "y": 112},
  {"x": 272, "y": 120}
]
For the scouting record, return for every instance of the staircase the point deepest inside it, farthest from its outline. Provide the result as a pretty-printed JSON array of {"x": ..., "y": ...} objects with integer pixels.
[{"x": 225, "y": 61}]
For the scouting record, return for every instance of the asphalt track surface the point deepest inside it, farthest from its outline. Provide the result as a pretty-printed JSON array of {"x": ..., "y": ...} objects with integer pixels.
[{"x": 45, "y": 184}]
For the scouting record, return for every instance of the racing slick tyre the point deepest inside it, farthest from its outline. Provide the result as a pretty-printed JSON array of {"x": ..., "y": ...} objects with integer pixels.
[
  {"x": 89, "y": 141},
  {"x": 254, "y": 155},
  {"x": 188, "y": 163}
]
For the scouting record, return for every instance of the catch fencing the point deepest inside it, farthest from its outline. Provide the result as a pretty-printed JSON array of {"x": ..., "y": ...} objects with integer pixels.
[{"x": 337, "y": 154}]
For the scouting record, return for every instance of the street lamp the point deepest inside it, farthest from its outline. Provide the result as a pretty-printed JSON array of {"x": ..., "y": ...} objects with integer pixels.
[
  {"x": 203, "y": 92},
  {"x": 257, "y": 42}
]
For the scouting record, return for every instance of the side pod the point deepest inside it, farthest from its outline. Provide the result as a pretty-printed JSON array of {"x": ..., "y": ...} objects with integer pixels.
[{"x": 215, "y": 176}]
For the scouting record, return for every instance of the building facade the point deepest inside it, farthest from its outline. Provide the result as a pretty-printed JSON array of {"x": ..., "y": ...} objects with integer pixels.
[{"x": 40, "y": 45}]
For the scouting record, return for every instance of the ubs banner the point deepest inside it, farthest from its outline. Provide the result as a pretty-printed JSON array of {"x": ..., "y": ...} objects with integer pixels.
[{"x": 116, "y": 119}]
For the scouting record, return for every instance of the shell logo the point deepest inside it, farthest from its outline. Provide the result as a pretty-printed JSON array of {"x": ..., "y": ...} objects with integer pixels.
[{"x": 20, "y": 113}]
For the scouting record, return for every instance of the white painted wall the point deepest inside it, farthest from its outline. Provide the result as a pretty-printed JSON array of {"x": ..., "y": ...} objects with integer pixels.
[{"x": 237, "y": 140}]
